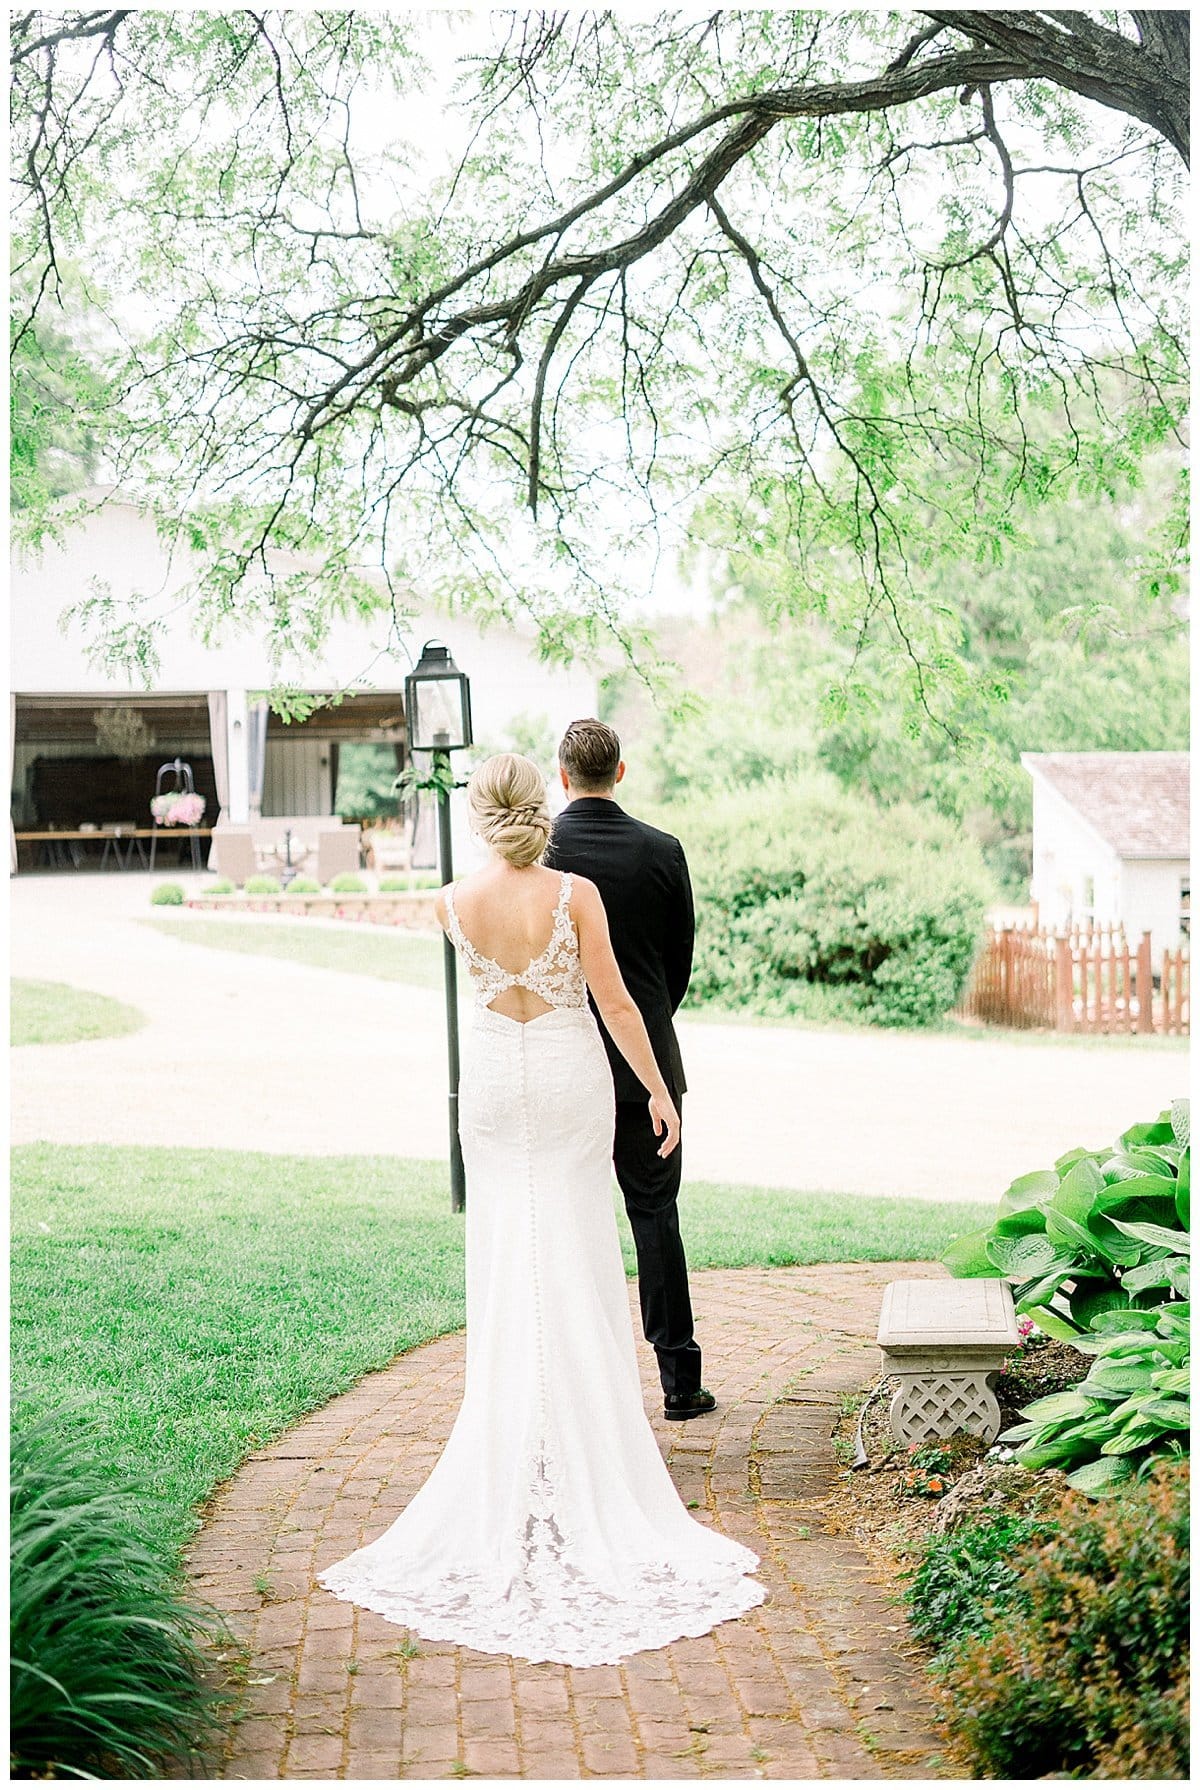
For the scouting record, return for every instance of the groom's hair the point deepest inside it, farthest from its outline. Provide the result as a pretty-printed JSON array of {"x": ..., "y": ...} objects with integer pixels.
[{"x": 590, "y": 753}]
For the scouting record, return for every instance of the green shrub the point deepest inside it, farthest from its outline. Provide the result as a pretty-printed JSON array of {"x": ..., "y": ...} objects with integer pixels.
[
  {"x": 1133, "y": 1406},
  {"x": 968, "y": 1578},
  {"x": 1099, "y": 1246},
  {"x": 394, "y": 885},
  {"x": 348, "y": 882},
  {"x": 262, "y": 885},
  {"x": 220, "y": 885},
  {"x": 1086, "y": 1675},
  {"x": 1102, "y": 1230},
  {"x": 106, "y": 1660},
  {"x": 799, "y": 884},
  {"x": 167, "y": 895},
  {"x": 303, "y": 885}
]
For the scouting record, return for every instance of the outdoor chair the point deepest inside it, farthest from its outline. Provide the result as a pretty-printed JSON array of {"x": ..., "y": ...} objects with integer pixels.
[
  {"x": 387, "y": 849},
  {"x": 337, "y": 851},
  {"x": 232, "y": 853}
]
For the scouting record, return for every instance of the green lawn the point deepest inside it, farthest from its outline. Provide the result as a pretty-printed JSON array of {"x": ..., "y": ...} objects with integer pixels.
[
  {"x": 201, "y": 1300},
  {"x": 54, "y": 1013},
  {"x": 358, "y": 950}
]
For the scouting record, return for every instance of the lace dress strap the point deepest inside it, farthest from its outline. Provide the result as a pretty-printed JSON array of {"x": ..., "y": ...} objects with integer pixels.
[{"x": 458, "y": 937}]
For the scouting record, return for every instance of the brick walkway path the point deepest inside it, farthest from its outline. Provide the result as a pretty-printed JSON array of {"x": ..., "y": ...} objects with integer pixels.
[{"x": 818, "y": 1683}]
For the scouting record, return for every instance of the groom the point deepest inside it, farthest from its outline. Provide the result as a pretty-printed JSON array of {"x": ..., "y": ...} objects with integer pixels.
[{"x": 642, "y": 877}]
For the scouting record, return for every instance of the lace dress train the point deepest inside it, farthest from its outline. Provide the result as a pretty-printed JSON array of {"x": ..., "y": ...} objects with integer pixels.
[{"x": 550, "y": 1527}]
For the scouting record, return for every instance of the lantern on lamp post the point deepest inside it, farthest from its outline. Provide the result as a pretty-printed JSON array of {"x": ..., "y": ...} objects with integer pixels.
[{"x": 437, "y": 718}]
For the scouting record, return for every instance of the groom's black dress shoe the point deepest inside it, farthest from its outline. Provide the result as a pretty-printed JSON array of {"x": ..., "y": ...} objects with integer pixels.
[{"x": 679, "y": 1406}]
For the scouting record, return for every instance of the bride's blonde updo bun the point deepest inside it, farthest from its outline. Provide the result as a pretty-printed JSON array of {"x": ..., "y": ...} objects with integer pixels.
[{"x": 507, "y": 799}]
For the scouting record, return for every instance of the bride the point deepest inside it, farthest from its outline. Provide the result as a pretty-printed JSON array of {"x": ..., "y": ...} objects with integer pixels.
[{"x": 550, "y": 1527}]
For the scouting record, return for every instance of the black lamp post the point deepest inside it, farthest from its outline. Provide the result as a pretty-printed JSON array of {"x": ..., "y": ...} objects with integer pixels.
[{"x": 437, "y": 716}]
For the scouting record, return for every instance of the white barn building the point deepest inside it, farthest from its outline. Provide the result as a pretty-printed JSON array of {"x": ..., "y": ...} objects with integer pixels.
[
  {"x": 1110, "y": 842},
  {"x": 66, "y": 772}
]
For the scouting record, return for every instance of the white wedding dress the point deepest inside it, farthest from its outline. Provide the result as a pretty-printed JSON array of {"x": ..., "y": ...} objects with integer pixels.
[{"x": 550, "y": 1527}]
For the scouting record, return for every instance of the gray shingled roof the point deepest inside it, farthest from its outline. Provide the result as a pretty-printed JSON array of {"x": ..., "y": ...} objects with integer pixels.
[{"x": 1137, "y": 801}]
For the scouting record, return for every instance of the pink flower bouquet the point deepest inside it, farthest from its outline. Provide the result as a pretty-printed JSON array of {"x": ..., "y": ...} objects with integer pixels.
[{"x": 178, "y": 809}]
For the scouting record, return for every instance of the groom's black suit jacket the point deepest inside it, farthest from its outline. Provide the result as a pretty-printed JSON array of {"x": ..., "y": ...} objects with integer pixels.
[{"x": 642, "y": 876}]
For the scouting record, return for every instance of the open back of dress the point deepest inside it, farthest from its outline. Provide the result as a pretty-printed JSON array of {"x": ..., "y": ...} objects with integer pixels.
[
  {"x": 550, "y": 1527},
  {"x": 554, "y": 977}
]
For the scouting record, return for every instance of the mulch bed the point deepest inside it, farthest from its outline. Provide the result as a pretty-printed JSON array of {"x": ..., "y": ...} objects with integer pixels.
[{"x": 891, "y": 1506}]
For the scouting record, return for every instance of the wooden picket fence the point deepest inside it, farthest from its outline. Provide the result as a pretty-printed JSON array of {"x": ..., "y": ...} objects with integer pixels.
[{"x": 1085, "y": 980}]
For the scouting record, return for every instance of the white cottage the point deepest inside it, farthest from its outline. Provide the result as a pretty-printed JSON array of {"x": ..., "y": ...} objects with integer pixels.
[
  {"x": 86, "y": 745},
  {"x": 1110, "y": 841}
]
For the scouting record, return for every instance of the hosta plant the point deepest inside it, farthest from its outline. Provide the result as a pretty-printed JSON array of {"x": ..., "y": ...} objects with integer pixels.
[
  {"x": 1099, "y": 1248},
  {"x": 1132, "y": 1407},
  {"x": 1102, "y": 1231}
]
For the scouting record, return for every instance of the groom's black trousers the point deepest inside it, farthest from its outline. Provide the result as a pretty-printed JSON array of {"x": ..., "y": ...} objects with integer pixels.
[{"x": 650, "y": 1185}]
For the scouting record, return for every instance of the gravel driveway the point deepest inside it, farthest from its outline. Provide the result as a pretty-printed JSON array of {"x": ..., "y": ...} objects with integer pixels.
[{"x": 256, "y": 1053}]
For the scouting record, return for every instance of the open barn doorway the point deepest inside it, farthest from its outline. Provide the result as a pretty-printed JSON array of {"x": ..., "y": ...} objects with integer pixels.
[{"x": 84, "y": 773}]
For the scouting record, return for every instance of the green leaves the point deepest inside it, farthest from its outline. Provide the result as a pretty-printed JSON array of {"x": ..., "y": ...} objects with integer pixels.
[
  {"x": 1158, "y": 1235},
  {"x": 1181, "y": 1122},
  {"x": 1132, "y": 1406},
  {"x": 1100, "y": 1230},
  {"x": 1101, "y": 1476},
  {"x": 1082, "y": 1271},
  {"x": 356, "y": 327},
  {"x": 1028, "y": 1191},
  {"x": 1058, "y": 1405},
  {"x": 802, "y": 887},
  {"x": 1032, "y": 1254},
  {"x": 968, "y": 1258},
  {"x": 1173, "y": 1379}
]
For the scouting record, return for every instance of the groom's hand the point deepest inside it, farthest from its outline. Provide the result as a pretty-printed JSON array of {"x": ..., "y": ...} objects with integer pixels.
[{"x": 664, "y": 1118}]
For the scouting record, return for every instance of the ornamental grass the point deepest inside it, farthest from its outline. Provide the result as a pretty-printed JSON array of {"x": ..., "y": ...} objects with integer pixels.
[{"x": 106, "y": 1659}]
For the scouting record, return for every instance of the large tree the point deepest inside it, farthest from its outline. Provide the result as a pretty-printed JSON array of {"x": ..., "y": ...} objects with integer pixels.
[
  {"x": 899, "y": 273},
  {"x": 1071, "y": 642}
]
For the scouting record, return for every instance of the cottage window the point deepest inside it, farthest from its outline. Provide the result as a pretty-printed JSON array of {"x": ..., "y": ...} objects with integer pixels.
[
  {"x": 1185, "y": 906},
  {"x": 1089, "y": 899}
]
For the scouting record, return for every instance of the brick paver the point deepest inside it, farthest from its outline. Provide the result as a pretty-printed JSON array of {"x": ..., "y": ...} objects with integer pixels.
[{"x": 819, "y": 1682}]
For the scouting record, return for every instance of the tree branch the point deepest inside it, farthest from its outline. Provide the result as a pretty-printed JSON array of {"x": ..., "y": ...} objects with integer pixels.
[{"x": 1147, "y": 80}]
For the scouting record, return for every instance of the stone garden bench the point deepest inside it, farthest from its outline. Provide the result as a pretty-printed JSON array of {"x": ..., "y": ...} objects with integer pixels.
[{"x": 945, "y": 1341}]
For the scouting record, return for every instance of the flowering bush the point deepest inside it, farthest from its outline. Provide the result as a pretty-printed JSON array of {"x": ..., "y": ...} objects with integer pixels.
[
  {"x": 927, "y": 1477},
  {"x": 179, "y": 808}
]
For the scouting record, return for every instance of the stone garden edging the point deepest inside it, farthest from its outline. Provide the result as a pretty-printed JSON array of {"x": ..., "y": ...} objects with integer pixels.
[{"x": 412, "y": 909}]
